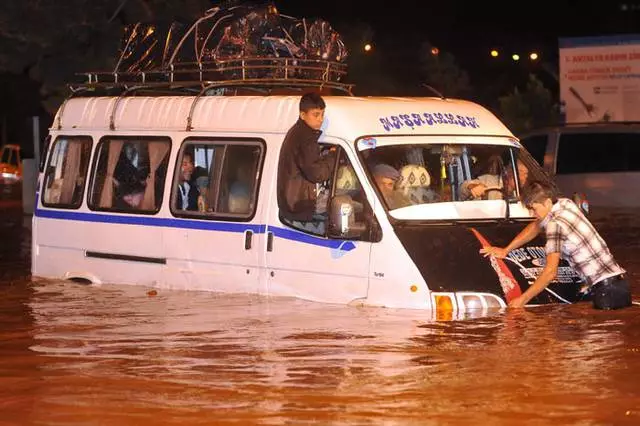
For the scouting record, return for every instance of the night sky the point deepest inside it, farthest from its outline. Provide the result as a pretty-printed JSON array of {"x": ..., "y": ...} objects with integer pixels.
[
  {"x": 470, "y": 29},
  {"x": 468, "y": 26}
]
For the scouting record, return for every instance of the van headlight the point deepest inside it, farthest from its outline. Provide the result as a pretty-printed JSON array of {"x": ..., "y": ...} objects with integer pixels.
[{"x": 458, "y": 305}]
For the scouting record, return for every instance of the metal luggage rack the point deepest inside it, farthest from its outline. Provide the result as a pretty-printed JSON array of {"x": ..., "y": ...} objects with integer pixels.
[{"x": 261, "y": 74}]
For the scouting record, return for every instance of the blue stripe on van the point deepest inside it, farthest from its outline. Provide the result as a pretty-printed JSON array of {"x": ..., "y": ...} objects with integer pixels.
[
  {"x": 290, "y": 234},
  {"x": 203, "y": 225}
]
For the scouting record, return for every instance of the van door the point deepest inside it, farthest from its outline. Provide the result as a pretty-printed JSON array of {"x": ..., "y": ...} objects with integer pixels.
[
  {"x": 318, "y": 261},
  {"x": 215, "y": 242}
]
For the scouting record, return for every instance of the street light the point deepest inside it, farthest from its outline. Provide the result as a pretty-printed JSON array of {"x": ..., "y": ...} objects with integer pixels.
[
  {"x": 515, "y": 57},
  {"x": 435, "y": 51},
  {"x": 368, "y": 47},
  {"x": 533, "y": 56},
  {"x": 494, "y": 53}
]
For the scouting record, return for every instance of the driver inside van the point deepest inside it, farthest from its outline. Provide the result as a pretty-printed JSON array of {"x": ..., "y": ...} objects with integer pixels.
[{"x": 489, "y": 186}]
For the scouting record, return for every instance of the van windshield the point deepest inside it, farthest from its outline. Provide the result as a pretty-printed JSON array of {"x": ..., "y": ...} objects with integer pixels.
[{"x": 441, "y": 179}]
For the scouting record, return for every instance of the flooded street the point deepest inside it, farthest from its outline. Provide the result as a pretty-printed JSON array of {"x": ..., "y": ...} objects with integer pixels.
[{"x": 72, "y": 354}]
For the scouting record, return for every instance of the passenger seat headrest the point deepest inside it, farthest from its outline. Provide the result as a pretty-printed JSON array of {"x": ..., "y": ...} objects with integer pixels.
[
  {"x": 346, "y": 180},
  {"x": 413, "y": 175}
]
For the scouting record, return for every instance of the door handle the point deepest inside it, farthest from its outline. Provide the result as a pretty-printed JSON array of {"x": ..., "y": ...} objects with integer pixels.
[
  {"x": 248, "y": 236},
  {"x": 269, "y": 241}
]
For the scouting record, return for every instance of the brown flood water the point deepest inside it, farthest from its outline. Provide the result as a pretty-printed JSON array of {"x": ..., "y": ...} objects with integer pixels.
[{"x": 73, "y": 354}]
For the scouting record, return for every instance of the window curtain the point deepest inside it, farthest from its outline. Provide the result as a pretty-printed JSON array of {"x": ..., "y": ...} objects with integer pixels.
[
  {"x": 106, "y": 196},
  {"x": 71, "y": 172},
  {"x": 157, "y": 152}
]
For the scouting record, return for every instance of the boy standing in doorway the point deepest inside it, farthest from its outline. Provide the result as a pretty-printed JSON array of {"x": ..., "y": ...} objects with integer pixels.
[
  {"x": 301, "y": 166},
  {"x": 570, "y": 235}
]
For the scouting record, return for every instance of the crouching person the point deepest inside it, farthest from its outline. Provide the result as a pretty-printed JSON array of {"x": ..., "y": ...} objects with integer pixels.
[{"x": 570, "y": 235}]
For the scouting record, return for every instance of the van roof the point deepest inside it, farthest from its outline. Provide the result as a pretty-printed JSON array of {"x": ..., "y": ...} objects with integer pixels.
[{"x": 346, "y": 116}]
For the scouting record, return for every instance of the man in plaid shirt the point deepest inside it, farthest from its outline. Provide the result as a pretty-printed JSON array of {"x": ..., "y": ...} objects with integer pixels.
[{"x": 569, "y": 235}]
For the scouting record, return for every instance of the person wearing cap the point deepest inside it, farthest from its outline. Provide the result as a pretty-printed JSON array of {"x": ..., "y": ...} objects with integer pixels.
[{"x": 386, "y": 178}]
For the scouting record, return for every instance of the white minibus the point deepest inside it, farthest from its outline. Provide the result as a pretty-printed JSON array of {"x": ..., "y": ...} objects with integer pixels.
[{"x": 111, "y": 202}]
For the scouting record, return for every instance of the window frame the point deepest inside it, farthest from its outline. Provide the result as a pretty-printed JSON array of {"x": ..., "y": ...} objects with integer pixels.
[
  {"x": 368, "y": 206},
  {"x": 223, "y": 142},
  {"x": 94, "y": 167},
  {"x": 45, "y": 178},
  {"x": 285, "y": 222},
  {"x": 44, "y": 153}
]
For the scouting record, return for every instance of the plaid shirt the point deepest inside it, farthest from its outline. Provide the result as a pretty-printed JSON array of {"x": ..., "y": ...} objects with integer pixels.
[{"x": 574, "y": 237}]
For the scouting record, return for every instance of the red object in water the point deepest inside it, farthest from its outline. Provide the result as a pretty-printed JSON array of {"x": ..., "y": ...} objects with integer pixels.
[{"x": 509, "y": 284}]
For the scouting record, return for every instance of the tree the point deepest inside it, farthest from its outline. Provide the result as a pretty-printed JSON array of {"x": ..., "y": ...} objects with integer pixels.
[
  {"x": 534, "y": 107},
  {"x": 440, "y": 71},
  {"x": 366, "y": 69},
  {"x": 51, "y": 41}
]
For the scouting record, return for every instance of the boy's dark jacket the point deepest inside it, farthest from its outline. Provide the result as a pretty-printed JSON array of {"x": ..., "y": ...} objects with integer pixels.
[{"x": 300, "y": 167}]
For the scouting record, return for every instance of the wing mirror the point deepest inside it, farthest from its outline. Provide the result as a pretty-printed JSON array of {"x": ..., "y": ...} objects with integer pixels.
[{"x": 582, "y": 202}]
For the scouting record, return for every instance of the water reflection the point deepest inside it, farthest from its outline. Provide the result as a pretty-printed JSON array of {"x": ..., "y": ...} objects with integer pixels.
[{"x": 115, "y": 355}]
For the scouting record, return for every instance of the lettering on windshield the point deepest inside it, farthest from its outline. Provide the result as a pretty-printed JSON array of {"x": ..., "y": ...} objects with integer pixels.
[
  {"x": 414, "y": 120},
  {"x": 530, "y": 261}
]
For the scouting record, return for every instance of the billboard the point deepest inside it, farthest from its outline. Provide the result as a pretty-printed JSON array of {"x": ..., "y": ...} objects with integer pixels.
[{"x": 600, "y": 78}]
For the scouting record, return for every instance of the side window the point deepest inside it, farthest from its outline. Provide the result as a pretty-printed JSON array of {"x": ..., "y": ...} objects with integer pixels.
[
  {"x": 341, "y": 209},
  {"x": 307, "y": 199},
  {"x": 66, "y": 172},
  {"x": 129, "y": 174},
  {"x": 529, "y": 170},
  {"x": 217, "y": 179},
  {"x": 597, "y": 152},
  {"x": 537, "y": 146},
  {"x": 350, "y": 215}
]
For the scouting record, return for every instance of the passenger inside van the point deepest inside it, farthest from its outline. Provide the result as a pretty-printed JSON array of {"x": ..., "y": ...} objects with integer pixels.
[
  {"x": 202, "y": 183},
  {"x": 187, "y": 196},
  {"x": 129, "y": 179},
  {"x": 241, "y": 184},
  {"x": 387, "y": 178}
]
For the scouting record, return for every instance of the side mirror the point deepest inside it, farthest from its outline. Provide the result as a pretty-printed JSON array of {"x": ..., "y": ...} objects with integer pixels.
[
  {"x": 346, "y": 218},
  {"x": 582, "y": 202}
]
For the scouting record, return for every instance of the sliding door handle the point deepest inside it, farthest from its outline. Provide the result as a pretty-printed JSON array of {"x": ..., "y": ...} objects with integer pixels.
[
  {"x": 269, "y": 241},
  {"x": 248, "y": 237}
]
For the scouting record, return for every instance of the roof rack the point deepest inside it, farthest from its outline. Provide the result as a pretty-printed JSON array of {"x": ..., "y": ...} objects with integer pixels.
[{"x": 260, "y": 73}]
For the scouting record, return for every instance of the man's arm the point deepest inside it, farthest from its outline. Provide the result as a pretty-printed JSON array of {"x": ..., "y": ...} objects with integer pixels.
[
  {"x": 471, "y": 189},
  {"x": 546, "y": 276},
  {"x": 314, "y": 167},
  {"x": 527, "y": 234}
]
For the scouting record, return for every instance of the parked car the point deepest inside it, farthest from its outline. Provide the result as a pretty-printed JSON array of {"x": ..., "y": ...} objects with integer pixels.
[
  {"x": 596, "y": 161},
  {"x": 10, "y": 167}
]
